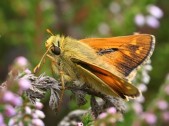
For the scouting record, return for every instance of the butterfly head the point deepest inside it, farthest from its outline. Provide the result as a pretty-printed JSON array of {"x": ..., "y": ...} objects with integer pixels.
[
  {"x": 53, "y": 44},
  {"x": 52, "y": 48}
]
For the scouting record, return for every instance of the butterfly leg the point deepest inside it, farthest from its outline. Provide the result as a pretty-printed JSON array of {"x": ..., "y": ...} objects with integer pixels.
[
  {"x": 62, "y": 82},
  {"x": 51, "y": 58},
  {"x": 57, "y": 70}
]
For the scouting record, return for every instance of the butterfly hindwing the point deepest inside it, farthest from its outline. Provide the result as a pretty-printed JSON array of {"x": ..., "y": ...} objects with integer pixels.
[{"x": 112, "y": 83}]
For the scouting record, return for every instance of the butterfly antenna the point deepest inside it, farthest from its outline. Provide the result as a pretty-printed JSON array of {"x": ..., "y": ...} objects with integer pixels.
[
  {"x": 42, "y": 59},
  {"x": 49, "y": 31}
]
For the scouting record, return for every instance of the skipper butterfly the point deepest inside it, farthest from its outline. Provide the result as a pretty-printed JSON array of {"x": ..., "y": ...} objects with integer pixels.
[{"x": 105, "y": 64}]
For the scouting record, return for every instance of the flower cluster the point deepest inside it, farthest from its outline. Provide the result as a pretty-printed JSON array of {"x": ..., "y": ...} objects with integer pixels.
[
  {"x": 109, "y": 117},
  {"x": 15, "y": 108},
  {"x": 142, "y": 79},
  {"x": 28, "y": 114},
  {"x": 158, "y": 105},
  {"x": 152, "y": 17}
]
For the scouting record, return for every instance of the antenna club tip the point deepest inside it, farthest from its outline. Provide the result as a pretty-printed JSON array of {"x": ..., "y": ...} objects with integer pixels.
[{"x": 49, "y": 31}]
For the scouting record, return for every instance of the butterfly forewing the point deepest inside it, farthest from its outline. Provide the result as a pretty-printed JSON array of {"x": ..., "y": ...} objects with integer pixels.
[{"x": 124, "y": 53}]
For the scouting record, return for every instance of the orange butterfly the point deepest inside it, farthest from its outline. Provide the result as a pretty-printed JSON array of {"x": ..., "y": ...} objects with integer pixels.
[{"x": 105, "y": 64}]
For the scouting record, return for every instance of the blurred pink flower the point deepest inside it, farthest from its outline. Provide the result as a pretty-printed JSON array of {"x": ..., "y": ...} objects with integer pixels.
[
  {"x": 139, "y": 19},
  {"x": 142, "y": 87},
  {"x": 24, "y": 83},
  {"x": 11, "y": 122},
  {"x": 140, "y": 99},
  {"x": 35, "y": 116},
  {"x": 21, "y": 61},
  {"x": 38, "y": 105},
  {"x": 152, "y": 21},
  {"x": 1, "y": 119},
  {"x": 17, "y": 101},
  {"x": 115, "y": 7},
  {"x": 28, "y": 110},
  {"x": 8, "y": 96},
  {"x": 150, "y": 118},
  {"x": 15, "y": 122},
  {"x": 146, "y": 77},
  {"x": 37, "y": 122},
  {"x": 137, "y": 107},
  {"x": 39, "y": 114},
  {"x": 20, "y": 123},
  {"x": 111, "y": 110},
  {"x": 162, "y": 104},
  {"x": 27, "y": 71},
  {"x": 10, "y": 110},
  {"x": 79, "y": 124},
  {"x": 165, "y": 116},
  {"x": 155, "y": 11},
  {"x": 102, "y": 115},
  {"x": 104, "y": 28},
  {"x": 148, "y": 67},
  {"x": 167, "y": 89}
]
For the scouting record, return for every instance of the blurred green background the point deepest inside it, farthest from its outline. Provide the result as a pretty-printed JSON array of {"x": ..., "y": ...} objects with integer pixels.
[{"x": 23, "y": 25}]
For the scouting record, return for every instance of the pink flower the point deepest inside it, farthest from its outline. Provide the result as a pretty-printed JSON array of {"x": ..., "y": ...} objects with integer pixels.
[
  {"x": 27, "y": 71},
  {"x": 17, "y": 101},
  {"x": 37, "y": 122},
  {"x": 11, "y": 122},
  {"x": 115, "y": 8},
  {"x": 155, "y": 11},
  {"x": 9, "y": 111},
  {"x": 148, "y": 67},
  {"x": 8, "y": 96},
  {"x": 165, "y": 116},
  {"x": 39, "y": 114},
  {"x": 142, "y": 87},
  {"x": 102, "y": 115},
  {"x": 150, "y": 118},
  {"x": 146, "y": 77},
  {"x": 140, "y": 99},
  {"x": 28, "y": 110},
  {"x": 1, "y": 119},
  {"x": 104, "y": 29},
  {"x": 167, "y": 89},
  {"x": 20, "y": 123},
  {"x": 22, "y": 61},
  {"x": 12, "y": 98},
  {"x": 139, "y": 20},
  {"x": 79, "y": 124},
  {"x": 24, "y": 84},
  {"x": 162, "y": 104},
  {"x": 152, "y": 21},
  {"x": 38, "y": 105},
  {"x": 111, "y": 110},
  {"x": 137, "y": 107}
]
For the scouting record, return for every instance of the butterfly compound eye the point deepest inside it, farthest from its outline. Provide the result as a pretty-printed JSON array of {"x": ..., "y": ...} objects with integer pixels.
[{"x": 56, "y": 50}]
